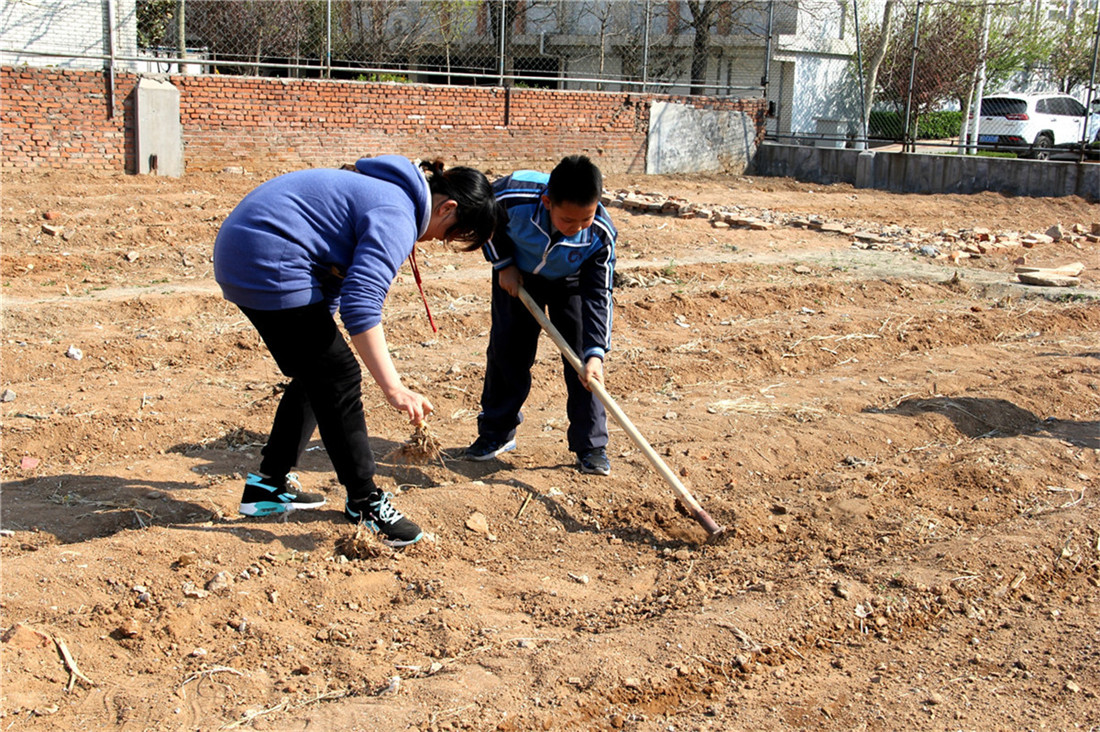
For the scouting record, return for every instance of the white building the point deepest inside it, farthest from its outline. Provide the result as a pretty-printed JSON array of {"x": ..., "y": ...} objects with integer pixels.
[{"x": 68, "y": 34}]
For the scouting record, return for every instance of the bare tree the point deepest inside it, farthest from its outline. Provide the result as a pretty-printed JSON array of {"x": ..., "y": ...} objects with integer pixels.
[
  {"x": 703, "y": 13},
  {"x": 882, "y": 42},
  {"x": 452, "y": 18}
]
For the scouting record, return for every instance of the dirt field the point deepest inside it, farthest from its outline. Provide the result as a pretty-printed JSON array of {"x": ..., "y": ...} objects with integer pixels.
[{"x": 903, "y": 449}]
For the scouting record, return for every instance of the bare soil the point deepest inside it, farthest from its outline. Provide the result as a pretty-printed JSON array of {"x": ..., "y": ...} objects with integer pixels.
[{"x": 903, "y": 451}]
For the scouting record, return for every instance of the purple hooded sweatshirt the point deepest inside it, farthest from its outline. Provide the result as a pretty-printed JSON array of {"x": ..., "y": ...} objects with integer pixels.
[{"x": 324, "y": 234}]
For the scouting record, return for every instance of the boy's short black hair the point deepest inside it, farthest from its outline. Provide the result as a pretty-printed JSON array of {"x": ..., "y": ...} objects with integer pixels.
[{"x": 576, "y": 179}]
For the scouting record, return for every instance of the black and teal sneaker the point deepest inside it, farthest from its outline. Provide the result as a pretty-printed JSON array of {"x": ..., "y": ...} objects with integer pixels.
[
  {"x": 376, "y": 512},
  {"x": 265, "y": 496}
]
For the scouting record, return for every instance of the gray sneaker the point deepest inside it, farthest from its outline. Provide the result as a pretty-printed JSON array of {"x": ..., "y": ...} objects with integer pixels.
[
  {"x": 487, "y": 449},
  {"x": 594, "y": 461}
]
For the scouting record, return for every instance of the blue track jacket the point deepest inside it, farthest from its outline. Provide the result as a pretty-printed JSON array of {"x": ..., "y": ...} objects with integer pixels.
[
  {"x": 527, "y": 240},
  {"x": 324, "y": 234}
]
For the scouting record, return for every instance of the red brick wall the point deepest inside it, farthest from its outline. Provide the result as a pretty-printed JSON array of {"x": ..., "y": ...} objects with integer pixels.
[
  {"x": 54, "y": 119},
  {"x": 61, "y": 119}
]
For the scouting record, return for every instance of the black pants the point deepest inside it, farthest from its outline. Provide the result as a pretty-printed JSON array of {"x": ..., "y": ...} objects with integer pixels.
[
  {"x": 325, "y": 392},
  {"x": 513, "y": 345}
]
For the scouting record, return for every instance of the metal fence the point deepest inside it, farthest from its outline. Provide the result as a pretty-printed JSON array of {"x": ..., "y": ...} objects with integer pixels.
[
  {"x": 699, "y": 47},
  {"x": 843, "y": 73}
]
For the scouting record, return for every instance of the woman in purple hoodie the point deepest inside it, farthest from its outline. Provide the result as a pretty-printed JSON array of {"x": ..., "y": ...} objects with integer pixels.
[{"x": 306, "y": 245}]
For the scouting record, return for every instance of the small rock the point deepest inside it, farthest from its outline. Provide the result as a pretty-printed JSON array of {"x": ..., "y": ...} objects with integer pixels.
[
  {"x": 51, "y": 215},
  {"x": 74, "y": 353},
  {"x": 478, "y": 523},
  {"x": 218, "y": 583},
  {"x": 130, "y": 628},
  {"x": 20, "y": 636},
  {"x": 7, "y": 396},
  {"x": 632, "y": 682},
  {"x": 192, "y": 592},
  {"x": 51, "y": 230},
  {"x": 1055, "y": 232},
  {"x": 1072, "y": 686},
  {"x": 132, "y": 256}
]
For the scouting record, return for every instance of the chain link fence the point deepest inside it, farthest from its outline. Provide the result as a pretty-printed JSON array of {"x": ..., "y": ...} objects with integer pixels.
[
  {"x": 926, "y": 68},
  {"x": 683, "y": 47},
  {"x": 835, "y": 73}
]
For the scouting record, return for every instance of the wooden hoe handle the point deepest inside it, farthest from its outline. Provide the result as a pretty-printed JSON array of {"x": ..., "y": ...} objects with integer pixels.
[{"x": 601, "y": 393}]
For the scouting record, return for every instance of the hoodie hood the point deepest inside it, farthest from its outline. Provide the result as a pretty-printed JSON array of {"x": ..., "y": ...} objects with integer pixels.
[{"x": 402, "y": 172}]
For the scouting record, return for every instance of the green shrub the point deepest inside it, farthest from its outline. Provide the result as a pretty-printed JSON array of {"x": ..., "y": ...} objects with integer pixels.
[
  {"x": 939, "y": 125},
  {"x": 932, "y": 126},
  {"x": 396, "y": 78}
]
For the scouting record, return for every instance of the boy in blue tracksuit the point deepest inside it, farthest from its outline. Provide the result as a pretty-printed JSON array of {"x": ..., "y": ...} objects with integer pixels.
[{"x": 554, "y": 238}]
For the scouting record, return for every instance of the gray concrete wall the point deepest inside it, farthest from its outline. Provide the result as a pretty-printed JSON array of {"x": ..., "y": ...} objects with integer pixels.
[
  {"x": 686, "y": 139},
  {"x": 158, "y": 133},
  {"x": 928, "y": 173}
]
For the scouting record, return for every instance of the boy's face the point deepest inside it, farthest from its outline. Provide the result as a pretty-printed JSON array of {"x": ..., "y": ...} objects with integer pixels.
[{"x": 570, "y": 218}]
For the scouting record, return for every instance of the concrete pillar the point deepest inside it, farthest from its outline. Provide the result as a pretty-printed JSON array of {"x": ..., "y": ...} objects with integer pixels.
[
  {"x": 865, "y": 169},
  {"x": 158, "y": 134}
]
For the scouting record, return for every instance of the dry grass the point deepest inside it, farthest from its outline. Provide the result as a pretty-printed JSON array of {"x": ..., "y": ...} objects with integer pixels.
[
  {"x": 362, "y": 544},
  {"x": 421, "y": 448}
]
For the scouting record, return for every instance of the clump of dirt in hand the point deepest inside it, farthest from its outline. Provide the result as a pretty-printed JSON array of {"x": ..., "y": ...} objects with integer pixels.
[
  {"x": 362, "y": 544},
  {"x": 420, "y": 449}
]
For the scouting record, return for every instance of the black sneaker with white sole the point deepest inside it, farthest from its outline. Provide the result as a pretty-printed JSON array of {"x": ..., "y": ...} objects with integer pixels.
[
  {"x": 594, "y": 461},
  {"x": 485, "y": 448},
  {"x": 265, "y": 496},
  {"x": 381, "y": 517}
]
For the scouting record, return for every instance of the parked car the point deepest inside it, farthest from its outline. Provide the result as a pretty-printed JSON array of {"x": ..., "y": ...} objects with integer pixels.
[{"x": 1030, "y": 125}]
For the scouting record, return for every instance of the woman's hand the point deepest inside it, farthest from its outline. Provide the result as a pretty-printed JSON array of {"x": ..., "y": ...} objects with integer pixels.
[
  {"x": 411, "y": 403},
  {"x": 371, "y": 345}
]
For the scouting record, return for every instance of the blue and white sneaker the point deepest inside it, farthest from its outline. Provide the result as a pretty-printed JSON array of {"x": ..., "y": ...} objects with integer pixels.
[
  {"x": 382, "y": 518},
  {"x": 594, "y": 461},
  {"x": 265, "y": 496},
  {"x": 485, "y": 448}
]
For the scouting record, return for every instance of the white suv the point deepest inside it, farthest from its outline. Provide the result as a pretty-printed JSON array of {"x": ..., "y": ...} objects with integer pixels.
[{"x": 1030, "y": 124}]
